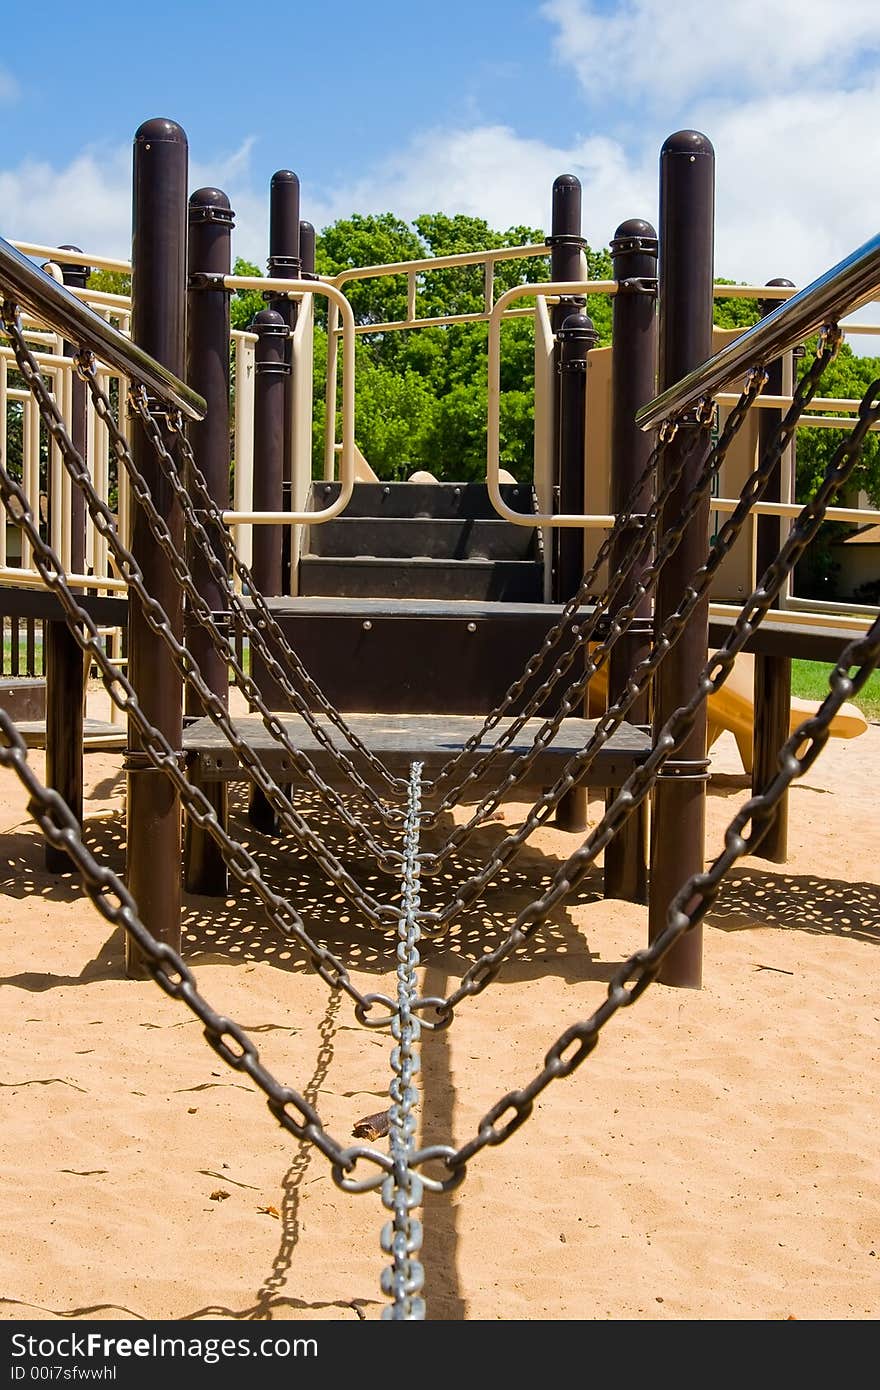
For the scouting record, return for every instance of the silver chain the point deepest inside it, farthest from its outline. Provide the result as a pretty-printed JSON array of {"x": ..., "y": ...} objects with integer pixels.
[{"x": 402, "y": 1189}]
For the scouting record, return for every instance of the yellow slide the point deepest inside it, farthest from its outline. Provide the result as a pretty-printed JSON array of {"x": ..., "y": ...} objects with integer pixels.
[{"x": 733, "y": 708}]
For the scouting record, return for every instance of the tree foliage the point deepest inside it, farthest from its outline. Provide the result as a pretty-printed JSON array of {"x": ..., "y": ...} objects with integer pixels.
[{"x": 422, "y": 394}]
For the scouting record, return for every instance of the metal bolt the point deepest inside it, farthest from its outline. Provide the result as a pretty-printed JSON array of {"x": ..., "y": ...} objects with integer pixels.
[
  {"x": 367, "y": 625},
  {"x": 472, "y": 627}
]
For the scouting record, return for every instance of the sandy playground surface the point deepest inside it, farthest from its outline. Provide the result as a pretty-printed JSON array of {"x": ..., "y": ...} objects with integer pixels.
[{"x": 716, "y": 1157}]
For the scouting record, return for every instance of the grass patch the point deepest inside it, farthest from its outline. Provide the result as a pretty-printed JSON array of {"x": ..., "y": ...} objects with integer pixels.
[{"x": 809, "y": 681}]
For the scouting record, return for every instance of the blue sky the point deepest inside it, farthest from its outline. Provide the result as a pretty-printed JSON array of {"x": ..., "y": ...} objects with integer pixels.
[{"x": 471, "y": 107}]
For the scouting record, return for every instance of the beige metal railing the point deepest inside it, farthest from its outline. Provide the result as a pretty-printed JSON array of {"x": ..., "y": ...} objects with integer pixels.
[{"x": 241, "y": 517}]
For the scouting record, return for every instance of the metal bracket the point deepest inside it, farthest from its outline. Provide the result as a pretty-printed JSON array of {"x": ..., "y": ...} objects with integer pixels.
[
  {"x": 622, "y": 245},
  {"x": 134, "y": 760},
  {"x": 638, "y": 284},
  {"x": 206, "y": 280},
  {"x": 565, "y": 239},
  {"x": 686, "y": 769},
  {"x": 209, "y": 213}
]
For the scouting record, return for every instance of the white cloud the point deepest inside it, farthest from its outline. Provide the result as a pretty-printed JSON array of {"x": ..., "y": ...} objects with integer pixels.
[
  {"x": 88, "y": 201},
  {"x": 646, "y": 51},
  {"x": 494, "y": 173},
  {"x": 795, "y": 189}
]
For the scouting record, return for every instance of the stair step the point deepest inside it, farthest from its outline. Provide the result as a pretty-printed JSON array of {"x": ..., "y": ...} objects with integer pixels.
[
  {"x": 369, "y": 576},
  {"x": 440, "y": 500},
  {"x": 400, "y": 740},
  {"x": 416, "y": 655},
  {"x": 399, "y": 538}
]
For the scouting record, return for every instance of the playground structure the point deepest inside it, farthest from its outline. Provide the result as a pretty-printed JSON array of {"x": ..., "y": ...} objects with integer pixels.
[{"x": 194, "y": 576}]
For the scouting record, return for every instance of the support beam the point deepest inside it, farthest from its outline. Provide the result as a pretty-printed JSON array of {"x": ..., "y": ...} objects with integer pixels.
[
  {"x": 633, "y": 378},
  {"x": 210, "y": 248},
  {"x": 687, "y": 192},
  {"x": 158, "y": 312},
  {"x": 772, "y": 673},
  {"x": 63, "y": 660}
]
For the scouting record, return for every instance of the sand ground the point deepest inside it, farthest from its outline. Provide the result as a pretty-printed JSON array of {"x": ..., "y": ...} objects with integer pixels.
[{"x": 716, "y": 1157}]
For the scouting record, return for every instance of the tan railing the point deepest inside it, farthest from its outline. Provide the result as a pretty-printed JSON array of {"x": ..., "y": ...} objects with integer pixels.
[{"x": 115, "y": 309}]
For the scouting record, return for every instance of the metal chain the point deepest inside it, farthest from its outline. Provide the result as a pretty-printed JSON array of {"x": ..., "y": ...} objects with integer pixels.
[
  {"x": 627, "y": 520},
  {"x": 690, "y": 904},
  {"x": 113, "y": 901},
  {"x": 110, "y": 897},
  {"x": 619, "y": 624},
  {"x": 641, "y": 677},
  {"x": 267, "y": 629},
  {"x": 680, "y": 723},
  {"x": 184, "y": 661},
  {"x": 402, "y": 1190},
  {"x": 386, "y": 858},
  {"x": 280, "y": 912}
]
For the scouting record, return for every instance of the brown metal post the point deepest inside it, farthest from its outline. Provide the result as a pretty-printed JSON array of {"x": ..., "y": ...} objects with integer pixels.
[
  {"x": 687, "y": 189},
  {"x": 772, "y": 673},
  {"x": 633, "y": 384},
  {"x": 575, "y": 338},
  {"x": 158, "y": 314},
  {"x": 307, "y": 250},
  {"x": 77, "y": 277},
  {"x": 285, "y": 264},
  {"x": 207, "y": 356},
  {"x": 63, "y": 658},
  {"x": 567, "y": 548},
  {"x": 271, "y": 375}
]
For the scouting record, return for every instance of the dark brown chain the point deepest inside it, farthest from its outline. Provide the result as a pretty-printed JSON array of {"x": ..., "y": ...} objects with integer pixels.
[
  {"x": 615, "y": 715},
  {"x": 623, "y": 618},
  {"x": 159, "y": 751},
  {"x": 629, "y": 520},
  {"x": 184, "y": 661},
  {"x": 293, "y": 1111},
  {"x": 678, "y": 726},
  {"x": 387, "y": 859},
  {"x": 266, "y": 632},
  {"x": 669, "y": 635},
  {"x": 688, "y": 907}
]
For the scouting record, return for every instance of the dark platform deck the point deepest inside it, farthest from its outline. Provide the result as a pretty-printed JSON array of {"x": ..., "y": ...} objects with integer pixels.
[{"x": 400, "y": 740}]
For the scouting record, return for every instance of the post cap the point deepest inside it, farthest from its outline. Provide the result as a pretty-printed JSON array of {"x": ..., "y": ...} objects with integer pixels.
[
  {"x": 634, "y": 235},
  {"x": 690, "y": 142},
  {"x": 210, "y": 205},
  {"x": 74, "y": 273},
  {"x": 768, "y": 305},
  {"x": 160, "y": 129},
  {"x": 269, "y": 322}
]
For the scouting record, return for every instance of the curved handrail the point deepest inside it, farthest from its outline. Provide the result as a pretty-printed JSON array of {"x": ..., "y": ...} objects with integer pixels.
[
  {"x": 42, "y": 296},
  {"x": 852, "y": 280}
]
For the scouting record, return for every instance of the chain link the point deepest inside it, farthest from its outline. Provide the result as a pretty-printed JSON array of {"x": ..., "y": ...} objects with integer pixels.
[
  {"x": 403, "y": 1280},
  {"x": 386, "y": 859},
  {"x": 184, "y": 661},
  {"x": 578, "y": 765},
  {"x": 267, "y": 629},
  {"x": 689, "y": 905},
  {"x": 680, "y": 723},
  {"x": 157, "y": 748},
  {"x": 619, "y": 624}
]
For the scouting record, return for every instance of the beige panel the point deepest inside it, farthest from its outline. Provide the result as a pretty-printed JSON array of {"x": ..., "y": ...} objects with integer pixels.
[
  {"x": 597, "y": 479},
  {"x": 735, "y": 578}
]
